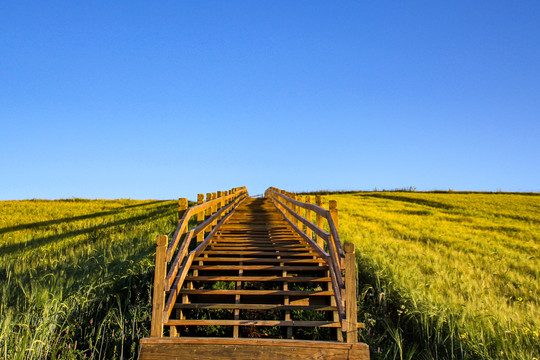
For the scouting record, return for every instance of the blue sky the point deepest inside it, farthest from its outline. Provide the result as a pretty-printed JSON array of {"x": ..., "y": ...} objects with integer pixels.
[{"x": 163, "y": 100}]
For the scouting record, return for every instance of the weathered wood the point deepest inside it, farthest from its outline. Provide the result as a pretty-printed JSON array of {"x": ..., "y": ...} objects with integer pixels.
[
  {"x": 255, "y": 242},
  {"x": 200, "y": 217},
  {"x": 182, "y": 206},
  {"x": 319, "y": 231},
  {"x": 214, "y": 207},
  {"x": 259, "y": 267},
  {"x": 255, "y": 306},
  {"x": 177, "y": 261},
  {"x": 260, "y": 278},
  {"x": 179, "y": 280},
  {"x": 350, "y": 294},
  {"x": 248, "y": 349},
  {"x": 315, "y": 208},
  {"x": 259, "y": 292},
  {"x": 327, "y": 324},
  {"x": 334, "y": 231},
  {"x": 193, "y": 254},
  {"x": 319, "y": 220},
  {"x": 158, "y": 299},
  {"x": 309, "y": 218},
  {"x": 182, "y": 226},
  {"x": 261, "y": 260}
]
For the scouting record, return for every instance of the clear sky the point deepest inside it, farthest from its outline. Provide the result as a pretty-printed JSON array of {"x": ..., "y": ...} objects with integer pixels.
[{"x": 151, "y": 99}]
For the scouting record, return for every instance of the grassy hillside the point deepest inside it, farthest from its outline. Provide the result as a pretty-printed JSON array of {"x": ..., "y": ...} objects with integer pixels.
[
  {"x": 76, "y": 276},
  {"x": 447, "y": 275},
  {"x": 442, "y": 275}
]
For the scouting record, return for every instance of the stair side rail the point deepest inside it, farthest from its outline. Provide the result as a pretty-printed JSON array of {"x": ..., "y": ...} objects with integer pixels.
[
  {"x": 170, "y": 273},
  {"x": 291, "y": 208}
]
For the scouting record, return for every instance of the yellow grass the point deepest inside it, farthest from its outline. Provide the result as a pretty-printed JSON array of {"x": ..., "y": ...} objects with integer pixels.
[{"x": 471, "y": 261}]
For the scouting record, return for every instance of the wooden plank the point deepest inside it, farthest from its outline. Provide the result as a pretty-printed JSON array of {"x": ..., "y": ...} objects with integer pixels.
[
  {"x": 260, "y": 253},
  {"x": 258, "y": 292},
  {"x": 327, "y": 324},
  {"x": 255, "y": 306},
  {"x": 260, "y": 278},
  {"x": 248, "y": 349},
  {"x": 260, "y": 247},
  {"x": 260, "y": 260},
  {"x": 258, "y": 268}
]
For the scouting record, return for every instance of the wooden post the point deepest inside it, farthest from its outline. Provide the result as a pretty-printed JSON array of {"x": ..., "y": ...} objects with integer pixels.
[
  {"x": 334, "y": 213},
  {"x": 219, "y": 204},
  {"x": 158, "y": 299},
  {"x": 350, "y": 294},
  {"x": 182, "y": 207},
  {"x": 214, "y": 209},
  {"x": 200, "y": 218},
  {"x": 294, "y": 209},
  {"x": 334, "y": 216},
  {"x": 309, "y": 217},
  {"x": 319, "y": 221}
]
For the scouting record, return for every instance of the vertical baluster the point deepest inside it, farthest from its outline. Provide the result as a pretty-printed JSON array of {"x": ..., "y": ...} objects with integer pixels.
[{"x": 319, "y": 220}]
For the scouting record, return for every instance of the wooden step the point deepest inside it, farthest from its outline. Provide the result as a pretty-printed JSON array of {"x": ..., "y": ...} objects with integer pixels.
[
  {"x": 257, "y": 292},
  {"x": 262, "y": 260},
  {"x": 260, "y": 253},
  {"x": 260, "y": 278},
  {"x": 254, "y": 306},
  {"x": 259, "y": 267},
  {"x": 248, "y": 349},
  {"x": 330, "y": 324}
]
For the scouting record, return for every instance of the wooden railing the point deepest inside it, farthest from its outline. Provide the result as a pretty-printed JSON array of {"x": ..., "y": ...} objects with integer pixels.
[
  {"x": 299, "y": 215},
  {"x": 170, "y": 274}
]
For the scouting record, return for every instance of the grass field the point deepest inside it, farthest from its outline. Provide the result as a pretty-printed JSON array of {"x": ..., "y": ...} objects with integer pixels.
[
  {"x": 76, "y": 276},
  {"x": 447, "y": 275},
  {"x": 443, "y": 276}
]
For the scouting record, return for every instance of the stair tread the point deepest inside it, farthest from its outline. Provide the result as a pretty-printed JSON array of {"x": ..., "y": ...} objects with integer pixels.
[
  {"x": 258, "y": 292},
  {"x": 260, "y": 278}
]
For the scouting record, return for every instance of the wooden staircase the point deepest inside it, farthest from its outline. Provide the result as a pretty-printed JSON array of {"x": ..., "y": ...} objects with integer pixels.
[{"x": 253, "y": 278}]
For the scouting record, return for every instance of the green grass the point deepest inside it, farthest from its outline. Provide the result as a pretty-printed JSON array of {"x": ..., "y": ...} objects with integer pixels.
[
  {"x": 76, "y": 276},
  {"x": 442, "y": 275},
  {"x": 446, "y": 275}
]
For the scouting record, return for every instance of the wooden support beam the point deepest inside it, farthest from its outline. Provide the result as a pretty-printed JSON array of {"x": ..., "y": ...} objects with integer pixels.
[
  {"x": 319, "y": 221},
  {"x": 334, "y": 213},
  {"x": 214, "y": 208},
  {"x": 158, "y": 299},
  {"x": 350, "y": 294},
  {"x": 309, "y": 217},
  {"x": 200, "y": 218},
  {"x": 182, "y": 207}
]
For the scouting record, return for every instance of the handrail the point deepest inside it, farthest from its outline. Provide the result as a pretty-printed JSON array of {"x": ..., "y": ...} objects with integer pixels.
[
  {"x": 211, "y": 215},
  {"x": 322, "y": 212},
  {"x": 179, "y": 280},
  {"x": 335, "y": 256},
  {"x": 192, "y": 211}
]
